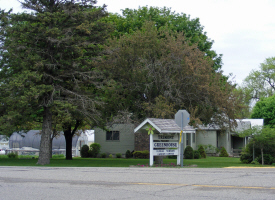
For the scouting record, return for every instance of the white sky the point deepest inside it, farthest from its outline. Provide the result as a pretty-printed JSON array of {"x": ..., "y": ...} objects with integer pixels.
[{"x": 243, "y": 30}]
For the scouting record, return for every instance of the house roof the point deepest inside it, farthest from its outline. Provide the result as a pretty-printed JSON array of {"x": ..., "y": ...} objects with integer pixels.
[
  {"x": 164, "y": 126},
  {"x": 254, "y": 122},
  {"x": 242, "y": 125},
  {"x": 170, "y": 126}
]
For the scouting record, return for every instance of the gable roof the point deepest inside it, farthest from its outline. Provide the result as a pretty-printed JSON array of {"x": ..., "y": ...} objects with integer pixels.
[{"x": 164, "y": 126}]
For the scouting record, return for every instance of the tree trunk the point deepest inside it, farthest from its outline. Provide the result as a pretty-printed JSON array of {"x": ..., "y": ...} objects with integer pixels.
[
  {"x": 69, "y": 133},
  {"x": 262, "y": 152},
  {"x": 45, "y": 153},
  {"x": 69, "y": 140},
  {"x": 51, "y": 147}
]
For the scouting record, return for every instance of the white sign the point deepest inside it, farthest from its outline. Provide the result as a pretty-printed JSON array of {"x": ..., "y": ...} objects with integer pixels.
[
  {"x": 165, "y": 152},
  {"x": 165, "y": 145},
  {"x": 166, "y": 137}
]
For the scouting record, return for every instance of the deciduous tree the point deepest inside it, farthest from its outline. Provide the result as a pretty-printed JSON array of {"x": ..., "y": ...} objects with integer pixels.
[
  {"x": 152, "y": 63},
  {"x": 260, "y": 83},
  {"x": 132, "y": 20},
  {"x": 265, "y": 109}
]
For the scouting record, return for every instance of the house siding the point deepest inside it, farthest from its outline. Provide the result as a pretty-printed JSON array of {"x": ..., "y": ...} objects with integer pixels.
[
  {"x": 206, "y": 138},
  {"x": 125, "y": 142}
]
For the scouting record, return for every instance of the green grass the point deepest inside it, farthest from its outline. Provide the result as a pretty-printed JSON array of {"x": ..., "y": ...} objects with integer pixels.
[{"x": 209, "y": 162}]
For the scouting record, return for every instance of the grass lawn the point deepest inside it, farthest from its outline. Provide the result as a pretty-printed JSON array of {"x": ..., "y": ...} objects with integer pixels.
[{"x": 209, "y": 162}]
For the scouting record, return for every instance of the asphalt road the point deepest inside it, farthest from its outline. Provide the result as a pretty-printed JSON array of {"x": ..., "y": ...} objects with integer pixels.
[{"x": 19, "y": 183}]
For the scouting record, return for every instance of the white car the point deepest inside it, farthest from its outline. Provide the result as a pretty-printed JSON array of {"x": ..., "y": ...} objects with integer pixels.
[{"x": 2, "y": 152}]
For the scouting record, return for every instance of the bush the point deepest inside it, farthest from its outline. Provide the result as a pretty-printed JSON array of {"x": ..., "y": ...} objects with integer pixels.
[
  {"x": 103, "y": 155},
  {"x": 118, "y": 155},
  {"x": 202, "y": 151},
  {"x": 90, "y": 154},
  {"x": 141, "y": 154},
  {"x": 95, "y": 149},
  {"x": 268, "y": 159},
  {"x": 246, "y": 158},
  {"x": 12, "y": 155},
  {"x": 223, "y": 152},
  {"x": 84, "y": 151},
  {"x": 197, "y": 154},
  {"x": 255, "y": 162},
  {"x": 128, "y": 154},
  {"x": 111, "y": 156},
  {"x": 188, "y": 153},
  {"x": 58, "y": 156},
  {"x": 172, "y": 157}
]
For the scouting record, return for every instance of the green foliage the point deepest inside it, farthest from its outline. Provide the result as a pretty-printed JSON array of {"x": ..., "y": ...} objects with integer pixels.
[
  {"x": 255, "y": 162},
  {"x": 188, "y": 153},
  {"x": 103, "y": 155},
  {"x": 260, "y": 83},
  {"x": 133, "y": 20},
  {"x": 172, "y": 157},
  {"x": 268, "y": 159},
  {"x": 262, "y": 141},
  {"x": 58, "y": 156},
  {"x": 197, "y": 154},
  {"x": 84, "y": 151},
  {"x": 111, "y": 156},
  {"x": 95, "y": 149},
  {"x": 246, "y": 158},
  {"x": 128, "y": 154},
  {"x": 141, "y": 154},
  {"x": 202, "y": 151},
  {"x": 12, "y": 155},
  {"x": 223, "y": 152},
  {"x": 47, "y": 65},
  {"x": 163, "y": 66},
  {"x": 265, "y": 109},
  {"x": 118, "y": 155}
]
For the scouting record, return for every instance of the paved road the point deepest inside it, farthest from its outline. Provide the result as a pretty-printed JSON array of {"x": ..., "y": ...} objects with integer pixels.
[{"x": 19, "y": 183}]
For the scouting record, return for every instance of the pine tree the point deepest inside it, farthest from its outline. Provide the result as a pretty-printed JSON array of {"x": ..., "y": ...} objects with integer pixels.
[{"x": 47, "y": 63}]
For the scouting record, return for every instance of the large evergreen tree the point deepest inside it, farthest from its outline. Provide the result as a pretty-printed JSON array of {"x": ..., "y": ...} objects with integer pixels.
[{"x": 47, "y": 61}]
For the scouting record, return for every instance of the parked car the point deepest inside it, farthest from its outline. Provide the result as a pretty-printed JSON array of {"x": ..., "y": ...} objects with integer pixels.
[{"x": 2, "y": 152}]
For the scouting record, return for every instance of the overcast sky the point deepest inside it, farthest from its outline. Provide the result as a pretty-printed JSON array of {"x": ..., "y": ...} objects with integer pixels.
[{"x": 243, "y": 30}]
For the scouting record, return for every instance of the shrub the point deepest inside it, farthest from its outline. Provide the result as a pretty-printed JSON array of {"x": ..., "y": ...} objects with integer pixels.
[
  {"x": 268, "y": 159},
  {"x": 84, "y": 151},
  {"x": 202, "y": 151},
  {"x": 141, "y": 154},
  {"x": 128, "y": 154},
  {"x": 223, "y": 152},
  {"x": 12, "y": 155},
  {"x": 95, "y": 149},
  {"x": 255, "y": 162},
  {"x": 90, "y": 154},
  {"x": 58, "y": 156},
  {"x": 103, "y": 155},
  {"x": 172, "y": 157},
  {"x": 246, "y": 158},
  {"x": 111, "y": 156},
  {"x": 197, "y": 154},
  {"x": 245, "y": 161},
  {"x": 118, "y": 155},
  {"x": 188, "y": 153}
]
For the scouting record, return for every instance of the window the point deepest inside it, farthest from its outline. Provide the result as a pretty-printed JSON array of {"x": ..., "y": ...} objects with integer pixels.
[
  {"x": 188, "y": 137},
  {"x": 112, "y": 135}
]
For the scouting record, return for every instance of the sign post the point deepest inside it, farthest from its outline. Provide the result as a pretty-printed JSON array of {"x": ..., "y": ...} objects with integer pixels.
[{"x": 182, "y": 118}]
